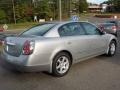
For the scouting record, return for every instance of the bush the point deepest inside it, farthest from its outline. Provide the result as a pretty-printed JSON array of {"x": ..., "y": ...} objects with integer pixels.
[{"x": 2, "y": 16}]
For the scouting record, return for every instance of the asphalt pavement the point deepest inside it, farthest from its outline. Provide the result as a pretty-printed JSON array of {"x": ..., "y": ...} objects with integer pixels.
[{"x": 99, "y": 73}]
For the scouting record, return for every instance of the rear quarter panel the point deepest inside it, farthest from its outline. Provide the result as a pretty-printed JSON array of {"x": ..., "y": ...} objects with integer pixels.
[{"x": 45, "y": 50}]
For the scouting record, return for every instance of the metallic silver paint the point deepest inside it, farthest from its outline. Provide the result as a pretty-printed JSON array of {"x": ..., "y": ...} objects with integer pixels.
[{"x": 46, "y": 47}]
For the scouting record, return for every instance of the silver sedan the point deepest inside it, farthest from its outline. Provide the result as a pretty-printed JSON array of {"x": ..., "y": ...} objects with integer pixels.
[{"x": 55, "y": 46}]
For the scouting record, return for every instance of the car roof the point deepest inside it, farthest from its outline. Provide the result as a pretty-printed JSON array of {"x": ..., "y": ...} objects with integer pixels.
[
  {"x": 112, "y": 21},
  {"x": 61, "y": 22}
]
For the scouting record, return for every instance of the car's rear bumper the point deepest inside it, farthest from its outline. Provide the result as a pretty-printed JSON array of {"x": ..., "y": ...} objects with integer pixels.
[
  {"x": 23, "y": 67},
  {"x": 12, "y": 66}
]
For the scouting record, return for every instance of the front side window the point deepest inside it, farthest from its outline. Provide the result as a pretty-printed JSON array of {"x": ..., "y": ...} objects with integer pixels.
[
  {"x": 90, "y": 29},
  {"x": 71, "y": 29},
  {"x": 39, "y": 30}
]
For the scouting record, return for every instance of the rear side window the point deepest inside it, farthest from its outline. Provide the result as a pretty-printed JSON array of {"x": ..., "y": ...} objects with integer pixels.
[
  {"x": 90, "y": 29},
  {"x": 71, "y": 29},
  {"x": 39, "y": 30}
]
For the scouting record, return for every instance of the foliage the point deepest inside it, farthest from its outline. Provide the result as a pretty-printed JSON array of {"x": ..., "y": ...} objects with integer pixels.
[
  {"x": 83, "y": 6},
  {"x": 115, "y": 5},
  {"x": 23, "y": 13},
  {"x": 25, "y": 10},
  {"x": 2, "y": 16},
  {"x": 42, "y": 9}
]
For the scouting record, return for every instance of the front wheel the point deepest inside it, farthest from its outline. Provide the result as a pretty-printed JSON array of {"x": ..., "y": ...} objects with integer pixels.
[
  {"x": 112, "y": 48},
  {"x": 61, "y": 64}
]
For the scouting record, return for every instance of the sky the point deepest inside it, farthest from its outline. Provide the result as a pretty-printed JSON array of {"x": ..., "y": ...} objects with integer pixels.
[{"x": 96, "y": 1}]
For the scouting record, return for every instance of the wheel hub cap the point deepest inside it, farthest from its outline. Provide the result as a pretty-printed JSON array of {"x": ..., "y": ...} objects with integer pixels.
[
  {"x": 112, "y": 49},
  {"x": 62, "y": 65}
]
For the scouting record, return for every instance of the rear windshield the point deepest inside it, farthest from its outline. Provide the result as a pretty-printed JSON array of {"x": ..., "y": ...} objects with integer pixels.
[
  {"x": 114, "y": 22},
  {"x": 111, "y": 22},
  {"x": 38, "y": 30},
  {"x": 108, "y": 25}
]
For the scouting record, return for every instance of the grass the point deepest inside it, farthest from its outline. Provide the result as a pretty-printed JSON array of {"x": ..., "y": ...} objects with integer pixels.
[
  {"x": 21, "y": 25},
  {"x": 24, "y": 26}
]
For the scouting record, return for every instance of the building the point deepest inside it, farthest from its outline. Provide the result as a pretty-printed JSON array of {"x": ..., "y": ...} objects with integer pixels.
[{"x": 94, "y": 8}]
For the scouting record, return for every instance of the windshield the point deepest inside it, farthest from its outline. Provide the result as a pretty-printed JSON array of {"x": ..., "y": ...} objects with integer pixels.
[
  {"x": 39, "y": 30},
  {"x": 108, "y": 25},
  {"x": 114, "y": 22}
]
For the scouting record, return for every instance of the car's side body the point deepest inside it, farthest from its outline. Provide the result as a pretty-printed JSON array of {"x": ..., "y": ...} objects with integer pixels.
[{"x": 79, "y": 47}]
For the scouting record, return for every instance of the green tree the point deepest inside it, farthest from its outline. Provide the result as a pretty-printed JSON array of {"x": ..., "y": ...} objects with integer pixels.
[
  {"x": 26, "y": 9},
  {"x": 6, "y": 6},
  {"x": 23, "y": 12},
  {"x": 116, "y": 4},
  {"x": 79, "y": 5},
  {"x": 2, "y": 16},
  {"x": 42, "y": 9},
  {"x": 82, "y": 5}
]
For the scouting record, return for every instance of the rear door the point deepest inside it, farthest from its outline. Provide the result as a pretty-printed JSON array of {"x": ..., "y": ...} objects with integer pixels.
[
  {"x": 97, "y": 41},
  {"x": 75, "y": 40}
]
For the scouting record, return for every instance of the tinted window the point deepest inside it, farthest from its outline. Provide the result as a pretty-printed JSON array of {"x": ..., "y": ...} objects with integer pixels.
[
  {"x": 108, "y": 26},
  {"x": 39, "y": 30},
  {"x": 71, "y": 29},
  {"x": 111, "y": 22},
  {"x": 90, "y": 29},
  {"x": 114, "y": 22}
]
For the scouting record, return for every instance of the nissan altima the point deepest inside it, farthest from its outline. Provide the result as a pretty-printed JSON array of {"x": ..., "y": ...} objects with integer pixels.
[{"x": 55, "y": 46}]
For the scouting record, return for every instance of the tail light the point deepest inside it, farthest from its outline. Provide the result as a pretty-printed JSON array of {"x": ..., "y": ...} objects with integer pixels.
[
  {"x": 28, "y": 47},
  {"x": 114, "y": 28}
]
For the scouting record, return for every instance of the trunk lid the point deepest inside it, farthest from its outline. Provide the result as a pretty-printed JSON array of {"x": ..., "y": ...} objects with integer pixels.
[{"x": 14, "y": 45}]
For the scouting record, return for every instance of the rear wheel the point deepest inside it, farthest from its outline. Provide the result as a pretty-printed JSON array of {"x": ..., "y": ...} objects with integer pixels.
[
  {"x": 112, "y": 48},
  {"x": 61, "y": 64}
]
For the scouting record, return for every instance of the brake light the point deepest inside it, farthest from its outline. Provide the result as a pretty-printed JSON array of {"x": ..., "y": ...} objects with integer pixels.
[
  {"x": 28, "y": 47},
  {"x": 114, "y": 28}
]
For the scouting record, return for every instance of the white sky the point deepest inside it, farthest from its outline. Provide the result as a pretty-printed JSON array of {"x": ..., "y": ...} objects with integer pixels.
[{"x": 96, "y": 1}]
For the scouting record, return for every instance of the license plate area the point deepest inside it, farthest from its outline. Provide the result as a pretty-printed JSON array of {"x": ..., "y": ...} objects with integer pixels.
[{"x": 12, "y": 50}]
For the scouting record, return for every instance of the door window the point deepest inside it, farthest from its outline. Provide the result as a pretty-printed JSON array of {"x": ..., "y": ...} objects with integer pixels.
[
  {"x": 71, "y": 29},
  {"x": 90, "y": 29}
]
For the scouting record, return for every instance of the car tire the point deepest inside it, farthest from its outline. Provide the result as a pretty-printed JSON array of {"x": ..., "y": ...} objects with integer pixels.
[
  {"x": 112, "y": 48},
  {"x": 116, "y": 34},
  {"x": 61, "y": 64}
]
